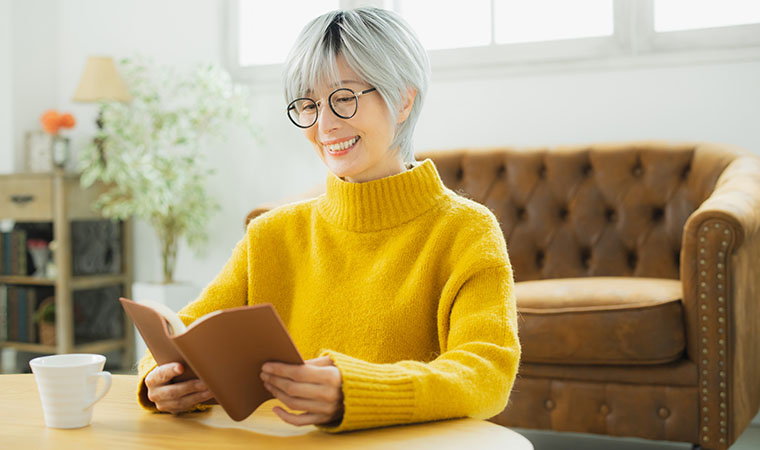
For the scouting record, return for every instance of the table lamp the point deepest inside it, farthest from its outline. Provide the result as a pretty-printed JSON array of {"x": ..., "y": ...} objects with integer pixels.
[{"x": 101, "y": 82}]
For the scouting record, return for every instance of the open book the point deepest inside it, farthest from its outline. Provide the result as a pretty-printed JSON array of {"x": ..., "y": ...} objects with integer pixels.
[{"x": 225, "y": 349}]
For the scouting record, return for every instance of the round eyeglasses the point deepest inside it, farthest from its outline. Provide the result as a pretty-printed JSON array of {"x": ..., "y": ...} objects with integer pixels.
[{"x": 344, "y": 102}]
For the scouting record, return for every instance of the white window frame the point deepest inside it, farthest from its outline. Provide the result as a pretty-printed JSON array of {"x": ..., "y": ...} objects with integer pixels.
[{"x": 634, "y": 43}]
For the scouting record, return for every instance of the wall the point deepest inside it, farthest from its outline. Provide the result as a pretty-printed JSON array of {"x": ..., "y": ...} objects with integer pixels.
[
  {"x": 6, "y": 93},
  {"x": 714, "y": 102}
]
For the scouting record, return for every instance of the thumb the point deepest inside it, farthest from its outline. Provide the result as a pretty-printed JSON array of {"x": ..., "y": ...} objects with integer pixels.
[{"x": 321, "y": 361}]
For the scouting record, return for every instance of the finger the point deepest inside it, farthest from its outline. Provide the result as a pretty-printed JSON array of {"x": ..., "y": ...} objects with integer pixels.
[
  {"x": 170, "y": 392},
  {"x": 321, "y": 361},
  {"x": 163, "y": 374},
  {"x": 184, "y": 404},
  {"x": 301, "y": 404},
  {"x": 313, "y": 391},
  {"x": 302, "y": 372},
  {"x": 300, "y": 419}
]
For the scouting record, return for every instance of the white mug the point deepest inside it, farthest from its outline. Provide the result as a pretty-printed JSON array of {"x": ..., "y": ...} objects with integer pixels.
[{"x": 67, "y": 385}]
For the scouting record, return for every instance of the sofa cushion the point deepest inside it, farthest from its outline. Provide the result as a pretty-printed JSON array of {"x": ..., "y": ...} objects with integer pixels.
[{"x": 600, "y": 320}]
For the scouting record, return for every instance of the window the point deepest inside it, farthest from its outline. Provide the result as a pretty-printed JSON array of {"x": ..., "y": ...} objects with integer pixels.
[
  {"x": 466, "y": 35},
  {"x": 673, "y": 15},
  {"x": 485, "y": 22}
]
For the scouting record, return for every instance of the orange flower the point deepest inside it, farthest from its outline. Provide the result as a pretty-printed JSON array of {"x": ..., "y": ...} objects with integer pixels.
[
  {"x": 50, "y": 121},
  {"x": 67, "y": 121}
]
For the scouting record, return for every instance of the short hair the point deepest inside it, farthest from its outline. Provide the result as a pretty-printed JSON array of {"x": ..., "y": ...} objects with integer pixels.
[{"x": 379, "y": 46}]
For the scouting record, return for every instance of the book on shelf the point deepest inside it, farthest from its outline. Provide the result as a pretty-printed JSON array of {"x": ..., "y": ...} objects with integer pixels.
[
  {"x": 224, "y": 348},
  {"x": 18, "y": 313},
  {"x": 13, "y": 260}
]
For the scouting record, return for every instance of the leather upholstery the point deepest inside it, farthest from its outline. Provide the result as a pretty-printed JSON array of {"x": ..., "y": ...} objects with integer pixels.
[
  {"x": 643, "y": 364},
  {"x": 629, "y": 320}
]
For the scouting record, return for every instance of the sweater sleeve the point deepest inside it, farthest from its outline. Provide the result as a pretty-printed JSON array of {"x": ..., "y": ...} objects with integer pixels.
[
  {"x": 228, "y": 290},
  {"x": 471, "y": 378}
]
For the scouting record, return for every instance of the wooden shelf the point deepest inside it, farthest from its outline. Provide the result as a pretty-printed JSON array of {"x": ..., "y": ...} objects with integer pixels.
[
  {"x": 28, "y": 347},
  {"x": 96, "y": 281},
  {"x": 82, "y": 282},
  {"x": 89, "y": 347},
  {"x": 58, "y": 198},
  {"x": 26, "y": 279}
]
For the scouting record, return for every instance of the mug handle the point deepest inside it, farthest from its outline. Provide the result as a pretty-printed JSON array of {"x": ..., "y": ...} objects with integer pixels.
[{"x": 106, "y": 387}]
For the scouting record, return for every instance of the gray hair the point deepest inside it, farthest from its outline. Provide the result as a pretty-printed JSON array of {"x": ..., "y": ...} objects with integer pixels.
[{"x": 379, "y": 46}]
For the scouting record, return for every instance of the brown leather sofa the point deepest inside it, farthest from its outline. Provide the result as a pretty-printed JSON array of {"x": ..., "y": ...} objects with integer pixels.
[{"x": 638, "y": 284}]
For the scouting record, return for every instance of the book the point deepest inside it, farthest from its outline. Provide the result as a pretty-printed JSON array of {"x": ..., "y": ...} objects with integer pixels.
[
  {"x": 3, "y": 312},
  {"x": 225, "y": 349}
]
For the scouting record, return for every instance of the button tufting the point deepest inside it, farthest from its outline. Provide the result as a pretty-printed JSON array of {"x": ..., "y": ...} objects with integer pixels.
[
  {"x": 632, "y": 259},
  {"x": 604, "y": 409},
  {"x": 460, "y": 173},
  {"x": 586, "y": 257},
  {"x": 501, "y": 171},
  {"x": 657, "y": 214},
  {"x": 610, "y": 214},
  {"x": 549, "y": 404},
  {"x": 563, "y": 213},
  {"x": 663, "y": 413},
  {"x": 520, "y": 213},
  {"x": 542, "y": 172},
  {"x": 586, "y": 170},
  {"x": 685, "y": 171},
  {"x": 637, "y": 171},
  {"x": 539, "y": 258}
]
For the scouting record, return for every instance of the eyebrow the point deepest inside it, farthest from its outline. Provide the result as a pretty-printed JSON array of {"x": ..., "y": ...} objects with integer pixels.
[
  {"x": 351, "y": 81},
  {"x": 310, "y": 91}
]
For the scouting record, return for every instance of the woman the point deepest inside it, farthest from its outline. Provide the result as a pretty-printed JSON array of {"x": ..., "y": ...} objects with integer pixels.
[{"x": 399, "y": 289}]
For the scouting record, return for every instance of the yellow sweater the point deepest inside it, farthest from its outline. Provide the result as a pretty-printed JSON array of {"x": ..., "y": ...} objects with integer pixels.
[{"x": 406, "y": 285}]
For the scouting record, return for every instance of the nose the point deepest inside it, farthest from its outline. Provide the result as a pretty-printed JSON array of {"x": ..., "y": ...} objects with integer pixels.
[{"x": 327, "y": 120}]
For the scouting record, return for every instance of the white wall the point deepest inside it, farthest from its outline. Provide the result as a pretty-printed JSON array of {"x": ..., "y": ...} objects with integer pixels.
[
  {"x": 714, "y": 102},
  {"x": 6, "y": 93},
  {"x": 172, "y": 32}
]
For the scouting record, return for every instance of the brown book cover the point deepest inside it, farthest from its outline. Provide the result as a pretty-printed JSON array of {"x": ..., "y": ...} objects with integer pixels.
[{"x": 225, "y": 349}]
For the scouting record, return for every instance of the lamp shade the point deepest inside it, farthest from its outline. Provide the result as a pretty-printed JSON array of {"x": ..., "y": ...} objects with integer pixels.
[{"x": 101, "y": 82}]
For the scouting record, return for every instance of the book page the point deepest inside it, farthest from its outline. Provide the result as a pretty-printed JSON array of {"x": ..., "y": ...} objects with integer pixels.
[{"x": 176, "y": 326}]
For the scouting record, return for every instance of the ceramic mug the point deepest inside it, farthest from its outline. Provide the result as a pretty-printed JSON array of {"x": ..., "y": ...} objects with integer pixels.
[{"x": 67, "y": 385}]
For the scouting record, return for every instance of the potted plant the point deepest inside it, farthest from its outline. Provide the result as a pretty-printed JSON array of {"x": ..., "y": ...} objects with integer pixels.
[
  {"x": 45, "y": 318},
  {"x": 149, "y": 155}
]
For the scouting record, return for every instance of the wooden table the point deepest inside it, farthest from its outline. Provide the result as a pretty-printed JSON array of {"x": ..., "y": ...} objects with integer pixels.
[{"x": 118, "y": 422}]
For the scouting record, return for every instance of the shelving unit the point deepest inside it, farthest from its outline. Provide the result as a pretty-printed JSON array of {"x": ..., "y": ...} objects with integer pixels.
[{"x": 59, "y": 199}]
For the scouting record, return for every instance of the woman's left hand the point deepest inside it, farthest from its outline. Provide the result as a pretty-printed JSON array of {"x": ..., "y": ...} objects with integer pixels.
[{"x": 313, "y": 387}]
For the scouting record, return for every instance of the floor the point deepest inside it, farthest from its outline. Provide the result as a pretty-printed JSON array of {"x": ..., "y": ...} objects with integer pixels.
[{"x": 547, "y": 440}]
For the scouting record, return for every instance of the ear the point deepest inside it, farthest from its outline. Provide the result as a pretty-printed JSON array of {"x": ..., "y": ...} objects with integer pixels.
[{"x": 406, "y": 109}]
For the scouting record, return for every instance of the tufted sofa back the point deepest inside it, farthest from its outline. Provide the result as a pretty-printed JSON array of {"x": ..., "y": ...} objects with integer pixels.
[{"x": 599, "y": 210}]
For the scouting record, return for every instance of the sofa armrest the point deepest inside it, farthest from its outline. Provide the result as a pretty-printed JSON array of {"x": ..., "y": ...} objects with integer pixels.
[
  {"x": 720, "y": 272},
  {"x": 261, "y": 209}
]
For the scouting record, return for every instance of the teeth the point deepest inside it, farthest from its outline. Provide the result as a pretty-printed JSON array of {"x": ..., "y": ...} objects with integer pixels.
[{"x": 341, "y": 145}]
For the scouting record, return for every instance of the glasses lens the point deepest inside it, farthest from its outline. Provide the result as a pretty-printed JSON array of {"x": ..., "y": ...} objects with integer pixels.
[
  {"x": 303, "y": 112},
  {"x": 343, "y": 103}
]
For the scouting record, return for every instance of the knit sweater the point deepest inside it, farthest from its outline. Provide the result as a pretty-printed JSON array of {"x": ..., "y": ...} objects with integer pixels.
[{"x": 403, "y": 283}]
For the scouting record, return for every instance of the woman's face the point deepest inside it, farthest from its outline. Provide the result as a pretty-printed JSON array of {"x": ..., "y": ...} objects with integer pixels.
[{"x": 369, "y": 132}]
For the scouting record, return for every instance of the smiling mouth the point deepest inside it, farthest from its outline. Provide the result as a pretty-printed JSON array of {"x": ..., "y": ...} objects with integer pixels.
[{"x": 341, "y": 146}]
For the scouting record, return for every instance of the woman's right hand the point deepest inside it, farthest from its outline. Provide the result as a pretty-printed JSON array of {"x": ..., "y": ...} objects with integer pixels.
[{"x": 174, "y": 398}]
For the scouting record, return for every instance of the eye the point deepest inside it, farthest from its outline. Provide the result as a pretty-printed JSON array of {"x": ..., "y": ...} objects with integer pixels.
[
  {"x": 309, "y": 107},
  {"x": 343, "y": 99}
]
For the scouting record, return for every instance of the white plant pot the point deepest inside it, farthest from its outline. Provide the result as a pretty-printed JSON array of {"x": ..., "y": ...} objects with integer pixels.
[{"x": 174, "y": 295}]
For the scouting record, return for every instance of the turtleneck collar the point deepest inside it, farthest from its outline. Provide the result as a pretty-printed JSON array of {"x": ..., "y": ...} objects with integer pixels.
[{"x": 384, "y": 203}]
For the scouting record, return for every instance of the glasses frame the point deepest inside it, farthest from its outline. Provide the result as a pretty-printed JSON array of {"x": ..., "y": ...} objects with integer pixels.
[{"x": 356, "y": 95}]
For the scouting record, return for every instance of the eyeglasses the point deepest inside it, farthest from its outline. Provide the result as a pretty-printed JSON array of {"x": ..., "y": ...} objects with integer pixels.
[{"x": 344, "y": 102}]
